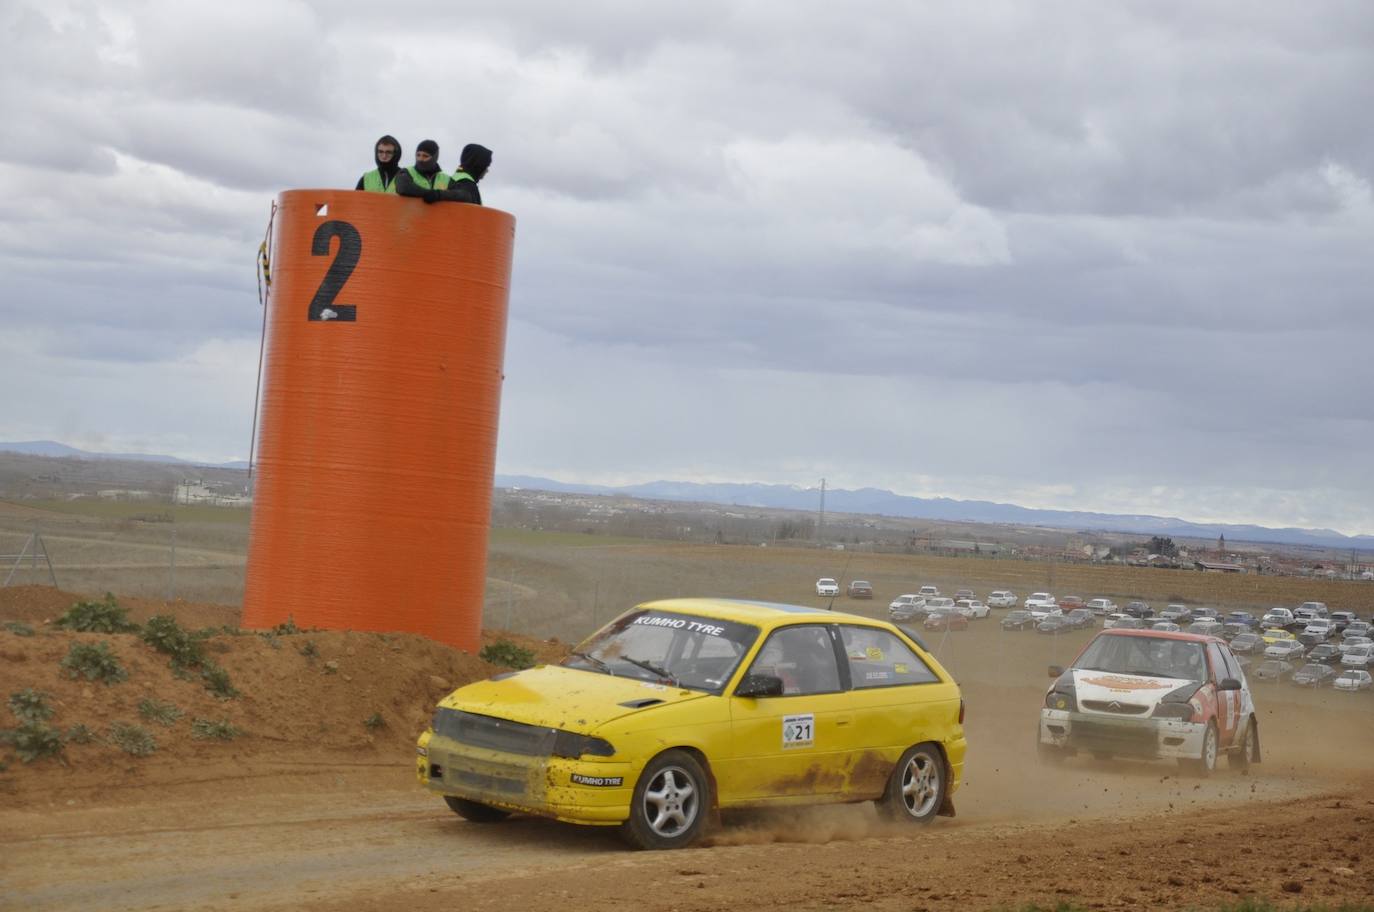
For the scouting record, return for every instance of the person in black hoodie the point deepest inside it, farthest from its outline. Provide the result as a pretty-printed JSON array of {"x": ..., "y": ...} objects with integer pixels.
[
  {"x": 386, "y": 152},
  {"x": 462, "y": 186},
  {"x": 424, "y": 178}
]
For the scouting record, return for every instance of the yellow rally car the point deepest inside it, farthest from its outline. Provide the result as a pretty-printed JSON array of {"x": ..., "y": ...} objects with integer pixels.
[{"x": 681, "y": 708}]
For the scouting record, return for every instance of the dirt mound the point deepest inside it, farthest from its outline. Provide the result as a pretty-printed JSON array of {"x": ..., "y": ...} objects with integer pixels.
[{"x": 335, "y": 694}]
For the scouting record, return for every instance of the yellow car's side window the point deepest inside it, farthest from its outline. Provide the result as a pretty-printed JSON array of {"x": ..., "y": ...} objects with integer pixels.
[
  {"x": 878, "y": 658},
  {"x": 802, "y": 657}
]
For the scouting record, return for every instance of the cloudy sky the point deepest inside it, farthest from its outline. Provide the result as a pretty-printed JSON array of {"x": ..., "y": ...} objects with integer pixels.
[{"x": 1081, "y": 255}]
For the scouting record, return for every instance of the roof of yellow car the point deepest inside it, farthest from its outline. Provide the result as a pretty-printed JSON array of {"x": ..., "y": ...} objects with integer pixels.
[{"x": 749, "y": 611}]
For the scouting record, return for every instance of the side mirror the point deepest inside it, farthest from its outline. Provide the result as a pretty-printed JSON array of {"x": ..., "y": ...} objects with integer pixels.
[
  {"x": 759, "y": 685},
  {"x": 1056, "y": 671},
  {"x": 1228, "y": 684}
]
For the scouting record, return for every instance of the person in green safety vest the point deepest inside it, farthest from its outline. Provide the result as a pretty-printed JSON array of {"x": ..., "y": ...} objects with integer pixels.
[
  {"x": 382, "y": 179},
  {"x": 462, "y": 187},
  {"x": 424, "y": 177}
]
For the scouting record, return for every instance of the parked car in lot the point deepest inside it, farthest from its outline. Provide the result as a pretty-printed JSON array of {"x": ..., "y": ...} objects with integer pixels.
[
  {"x": 1068, "y": 603},
  {"x": 1288, "y": 650},
  {"x": 1313, "y": 674},
  {"x": 1150, "y": 695},
  {"x": 945, "y": 620},
  {"x": 1206, "y": 626},
  {"x": 1319, "y": 630},
  {"x": 960, "y": 594},
  {"x": 1241, "y": 617},
  {"x": 906, "y": 607},
  {"x": 861, "y": 589},
  {"x": 1274, "y": 635},
  {"x": 1273, "y": 670},
  {"x": 1140, "y": 610},
  {"x": 1102, "y": 606},
  {"x": 681, "y": 707},
  {"x": 1177, "y": 614},
  {"x": 1112, "y": 620},
  {"x": 1343, "y": 619},
  {"x": 1352, "y": 680},
  {"x": 1248, "y": 644},
  {"x": 1355, "y": 629},
  {"x": 1054, "y": 623},
  {"x": 1166, "y": 627},
  {"x": 1040, "y": 600},
  {"x": 1019, "y": 619},
  {"x": 1002, "y": 598},
  {"x": 939, "y": 603},
  {"x": 1358, "y": 657},
  {"x": 1350, "y": 643},
  {"x": 1202, "y": 611},
  {"x": 825, "y": 586},
  {"x": 971, "y": 608},
  {"x": 1081, "y": 619},
  {"x": 1325, "y": 653},
  {"x": 1313, "y": 609},
  {"x": 1277, "y": 617},
  {"x": 1229, "y": 632},
  {"x": 929, "y": 591}
]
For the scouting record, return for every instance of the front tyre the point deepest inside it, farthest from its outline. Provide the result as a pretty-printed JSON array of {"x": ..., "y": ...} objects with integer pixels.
[
  {"x": 668, "y": 810},
  {"x": 1205, "y": 764},
  {"x": 475, "y": 812},
  {"x": 916, "y": 789}
]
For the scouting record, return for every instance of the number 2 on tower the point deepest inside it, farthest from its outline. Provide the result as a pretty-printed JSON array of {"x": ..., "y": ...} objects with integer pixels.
[{"x": 322, "y": 306}]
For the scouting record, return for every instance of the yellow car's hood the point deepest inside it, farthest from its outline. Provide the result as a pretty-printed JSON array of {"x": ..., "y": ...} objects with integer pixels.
[{"x": 566, "y": 698}]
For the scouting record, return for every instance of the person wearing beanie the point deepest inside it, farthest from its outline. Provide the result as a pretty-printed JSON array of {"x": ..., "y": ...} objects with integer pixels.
[
  {"x": 462, "y": 186},
  {"x": 424, "y": 179},
  {"x": 386, "y": 152}
]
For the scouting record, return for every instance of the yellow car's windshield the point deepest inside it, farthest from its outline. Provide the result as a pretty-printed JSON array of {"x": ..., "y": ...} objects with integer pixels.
[{"x": 669, "y": 647}]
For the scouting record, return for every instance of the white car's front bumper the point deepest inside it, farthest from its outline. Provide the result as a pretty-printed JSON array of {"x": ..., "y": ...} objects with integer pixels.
[{"x": 1130, "y": 737}]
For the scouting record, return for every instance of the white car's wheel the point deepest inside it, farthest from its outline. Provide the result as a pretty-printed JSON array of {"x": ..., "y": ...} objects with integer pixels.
[
  {"x": 1205, "y": 764},
  {"x": 1248, "y": 751}
]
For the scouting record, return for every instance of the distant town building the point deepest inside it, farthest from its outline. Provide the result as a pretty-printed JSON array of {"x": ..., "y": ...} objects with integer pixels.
[
  {"x": 1218, "y": 567},
  {"x": 197, "y": 492}
]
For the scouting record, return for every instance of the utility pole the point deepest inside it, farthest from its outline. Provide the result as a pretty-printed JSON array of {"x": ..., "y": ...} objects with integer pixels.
[{"x": 820, "y": 519}]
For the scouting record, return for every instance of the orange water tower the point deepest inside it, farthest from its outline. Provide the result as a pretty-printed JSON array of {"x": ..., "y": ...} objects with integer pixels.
[{"x": 376, "y": 449}]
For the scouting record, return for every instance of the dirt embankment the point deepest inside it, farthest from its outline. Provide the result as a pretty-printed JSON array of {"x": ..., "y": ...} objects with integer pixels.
[{"x": 327, "y": 695}]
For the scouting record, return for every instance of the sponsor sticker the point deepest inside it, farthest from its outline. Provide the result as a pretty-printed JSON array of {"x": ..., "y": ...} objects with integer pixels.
[
  {"x": 677, "y": 623},
  {"x": 875, "y": 654},
  {"x": 598, "y": 781},
  {"x": 899, "y": 668},
  {"x": 799, "y": 730}
]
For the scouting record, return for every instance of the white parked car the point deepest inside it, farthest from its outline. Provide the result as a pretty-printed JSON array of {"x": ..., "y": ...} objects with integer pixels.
[
  {"x": 971, "y": 608},
  {"x": 1101, "y": 606},
  {"x": 1039, "y": 600},
  {"x": 1112, "y": 620},
  {"x": 1277, "y": 617},
  {"x": 1350, "y": 643},
  {"x": 906, "y": 607},
  {"x": 1287, "y": 650},
  {"x": 1353, "y": 679},
  {"x": 929, "y": 591},
  {"x": 1318, "y": 609},
  {"x": 827, "y": 586},
  {"x": 1002, "y": 598},
  {"x": 939, "y": 603},
  {"x": 1358, "y": 657}
]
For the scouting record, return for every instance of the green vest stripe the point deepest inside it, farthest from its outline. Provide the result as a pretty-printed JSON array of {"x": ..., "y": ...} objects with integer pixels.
[
  {"x": 372, "y": 183},
  {"x": 461, "y": 176},
  {"x": 440, "y": 180}
]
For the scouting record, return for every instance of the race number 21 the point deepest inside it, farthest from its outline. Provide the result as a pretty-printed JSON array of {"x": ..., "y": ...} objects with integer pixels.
[{"x": 799, "y": 730}]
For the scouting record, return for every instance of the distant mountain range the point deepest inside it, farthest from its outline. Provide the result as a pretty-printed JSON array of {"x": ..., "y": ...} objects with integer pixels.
[
  {"x": 53, "y": 448},
  {"x": 862, "y": 501},
  {"x": 886, "y": 503}
]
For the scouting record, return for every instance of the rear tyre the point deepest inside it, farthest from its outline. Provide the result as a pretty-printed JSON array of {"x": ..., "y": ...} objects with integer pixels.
[
  {"x": 670, "y": 803},
  {"x": 917, "y": 787},
  {"x": 1204, "y": 765},
  {"x": 1248, "y": 752},
  {"x": 475, "y": 812}
]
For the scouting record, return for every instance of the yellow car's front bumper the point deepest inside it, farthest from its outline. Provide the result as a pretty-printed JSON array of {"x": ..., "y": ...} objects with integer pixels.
[{"x": 577, "y": 791}]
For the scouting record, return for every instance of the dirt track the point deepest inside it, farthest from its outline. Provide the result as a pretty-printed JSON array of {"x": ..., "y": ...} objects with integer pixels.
[{"x": 290, "y": 819}]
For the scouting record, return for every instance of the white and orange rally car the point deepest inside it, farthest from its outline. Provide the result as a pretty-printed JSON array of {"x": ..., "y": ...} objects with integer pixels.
[{"x": 1151, "y": 694}]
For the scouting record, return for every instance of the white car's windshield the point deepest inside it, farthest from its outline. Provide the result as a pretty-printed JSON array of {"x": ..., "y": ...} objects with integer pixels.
[
  {"x": 1155, "y": 656},
  {"x": 667, "y": 647}
]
